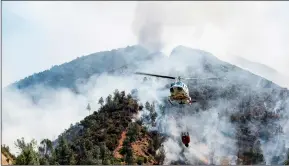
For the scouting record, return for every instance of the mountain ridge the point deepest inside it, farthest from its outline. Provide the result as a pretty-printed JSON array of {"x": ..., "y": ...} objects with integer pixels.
[
  {"x": 251, "y": 104},
  {"x": 64, "y": 71},
  {"x": 261, "y": 69},
  {"x": 88, "y": 61}
]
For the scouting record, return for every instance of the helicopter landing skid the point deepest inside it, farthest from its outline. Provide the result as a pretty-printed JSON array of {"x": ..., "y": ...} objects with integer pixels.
[{"x": 170, "y": 102}]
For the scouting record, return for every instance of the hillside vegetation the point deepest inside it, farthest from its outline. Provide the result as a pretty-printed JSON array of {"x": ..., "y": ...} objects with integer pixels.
[
  {"x": 7, "y": 157},
  {"x": 95, "y": 139},
  {"x": 77, "y": 71},
  {"x": 111, "y": 135}
]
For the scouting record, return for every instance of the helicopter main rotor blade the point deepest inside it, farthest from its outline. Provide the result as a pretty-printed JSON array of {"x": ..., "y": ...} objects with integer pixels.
[{"x": 155, "y": 75}]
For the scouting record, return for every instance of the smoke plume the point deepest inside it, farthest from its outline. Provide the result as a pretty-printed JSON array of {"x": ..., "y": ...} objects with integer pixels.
[{"x": 254, "y": 30}]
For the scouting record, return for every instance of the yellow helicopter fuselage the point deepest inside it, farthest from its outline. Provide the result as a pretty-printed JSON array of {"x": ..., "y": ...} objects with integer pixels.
[{"x": 179, "y": 92}]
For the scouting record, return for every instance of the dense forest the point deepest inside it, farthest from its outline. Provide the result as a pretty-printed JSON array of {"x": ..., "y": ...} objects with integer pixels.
[
  {"x": 97, "y": 138},
  {"x": 111, "y": 135}
]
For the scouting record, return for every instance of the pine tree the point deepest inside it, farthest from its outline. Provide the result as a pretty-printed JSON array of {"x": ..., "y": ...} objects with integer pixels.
[
  {"x": 153, "y": 114},
  {"x": 63, "y": 153},
  {"x": 96, "y": 152},
  {"x": 133, "y": 130},
  {"x": 46, "y": 151},
  {"x": 129, "y": 97},
  {"x": 129, "y": 156},
  {"x": 147, "y": 106},
  {"x": 101, "y": 101},
  {"x": 105, "y": 154},
  {"x": 28, "y": 156},
  {"x": 109, "y": 100},
  {"x": 116, "y": 95},
  {"x": 122, "y": 94},
  {"x": 88, "y": 108},
  {"x": 90, "y": 160}
]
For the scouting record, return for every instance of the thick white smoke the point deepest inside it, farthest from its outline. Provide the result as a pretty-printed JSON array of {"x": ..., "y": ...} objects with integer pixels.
[
  {"x": 61, "y": 107},
  {"x": 208, "y": 142},
  {"x": 207, "y": 129},
  {"x": 22, "y": 118},
  {"x": 257, "y": 31},
  {"x": 223, "y": 28},
  {"x": 212, "y": 134}
]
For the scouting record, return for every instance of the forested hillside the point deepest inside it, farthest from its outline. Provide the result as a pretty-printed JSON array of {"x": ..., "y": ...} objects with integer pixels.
[
  {"x": 108, "y": 136},
  {"x": 112, "y": 135},
  {"x": 239, "y": 114},
  {"x": 69, "y": 74}
]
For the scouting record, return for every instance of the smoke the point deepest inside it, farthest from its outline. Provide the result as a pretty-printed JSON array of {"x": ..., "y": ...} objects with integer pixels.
[
  {"x": 254, "y": 30},
  {"x": 148, "y": 26},
  {"x": 223, "y": 28},
  {"x": 213, "y": 137},
  {"x": 208, "y": 143},
  {"x": 58, "y": 108},
  {"x": 55, "y": 112},
  {"x": 278, "y": 145}
]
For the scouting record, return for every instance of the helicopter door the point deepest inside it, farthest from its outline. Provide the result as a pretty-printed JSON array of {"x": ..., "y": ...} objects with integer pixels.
[{"x": 186, "y": 88}]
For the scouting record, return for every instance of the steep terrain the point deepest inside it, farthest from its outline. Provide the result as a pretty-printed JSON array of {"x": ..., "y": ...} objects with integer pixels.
[
  {"x": 116, "y": 153},
  {"x": 108, "y": 136},
  {"x": 261, "y": 69},
  {"x": 7, "y": 158},
  {"x": 240, "y": 115},
  {"x": 254, "y": 106},
  {"x": 74, "y": 74}
]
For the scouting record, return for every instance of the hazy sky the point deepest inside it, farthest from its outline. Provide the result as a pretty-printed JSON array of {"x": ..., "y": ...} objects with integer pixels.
[{"x": 37, "y": 35}]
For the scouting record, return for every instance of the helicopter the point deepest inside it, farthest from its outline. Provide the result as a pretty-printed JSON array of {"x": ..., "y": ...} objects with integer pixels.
[{"x": 179, "y": 91}]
